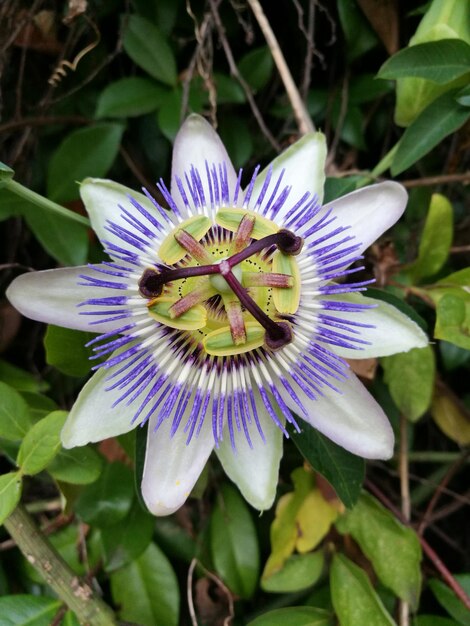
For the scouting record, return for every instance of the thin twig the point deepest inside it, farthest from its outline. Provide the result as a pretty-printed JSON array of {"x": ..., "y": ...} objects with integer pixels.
[
  {"x": 302, "y": 117},
  {"x": 189, "y": 585},
  {"x": 453, "y": 469},
  {"x": 436, "y": 180},
  {"x": 44, "y": 121},
  {"x": 236, "y": 74},
  {"x": 189, "y": 592}
]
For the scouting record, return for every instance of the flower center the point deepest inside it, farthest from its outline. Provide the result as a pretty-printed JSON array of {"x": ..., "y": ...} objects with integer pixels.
[{"x": 229, "y": 285}]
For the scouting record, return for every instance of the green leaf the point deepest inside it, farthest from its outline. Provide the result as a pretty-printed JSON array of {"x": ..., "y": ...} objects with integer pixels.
[
  {"x": 129, "y": 97},
  {"x": 20, "y": 379},
  {"x": 436, "y": 239},
  {"x": 147, "y": 590},
  {"x": 229, "y": 91},
  {"x": 24, "y": 610},
  {"x": 365, "y": 87},
  {"x": 70, "y": 619},
  {"x": 345, "y": 471},
  {"x": 39, "y": 404},
  {"x": 15, "y": 416},
  {"x": 234, "y": 544},
  {"x": 453, "y": 319},
  {"x": 6, "y": 173},
  {"x": 174, "y": 540},
  {"x": 148, "y": 48},
  {"x": 410, "y": 379},
  {"x": 359, "y": 35},
  {"x": 10, "y": 494},
  {"x": 449, "y": 600},
  {"x": 41, "y": 443},
  {"x": 256, "y": 67},
  {"x": 393, "y": 549},
  {"x": 298, "y": 572},
  {"x": 127, "y": 540},
  {"x": 66, "y": 241},
  {"x": 169, "y": 114},
  {"x": 441, "y": 118},
  {"x": 439, "y": 61},
  {"x": 294, "y": 616},
  {"x": 84, "y": 152},
  {"x": 354, "y": 600},
  {"x": 463, "y": 96},
  {"x": 108, "y": 500},
  {"x": 78, "y": 466},
  {"x": 66, "y": 350}
]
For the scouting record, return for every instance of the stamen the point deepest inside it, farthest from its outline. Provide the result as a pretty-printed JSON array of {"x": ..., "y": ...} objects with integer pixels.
[
  {"x": 195, "y": 249},
  {"x": 199, "y": 294},
  {"x": 235, "y": 317},
  {"x": 243, "y": 234},
  {"x": 266, "y": 279}
]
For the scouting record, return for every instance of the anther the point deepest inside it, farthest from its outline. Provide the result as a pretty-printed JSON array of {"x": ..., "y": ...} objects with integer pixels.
[
  {"x": 151, "y": 282},
  {"x": 284, "y": 239},
  {"x": 289, "y": 243}
]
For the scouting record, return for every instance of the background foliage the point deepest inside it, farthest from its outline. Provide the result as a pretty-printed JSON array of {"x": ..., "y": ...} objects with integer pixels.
[{"x": 389, "y": 86}]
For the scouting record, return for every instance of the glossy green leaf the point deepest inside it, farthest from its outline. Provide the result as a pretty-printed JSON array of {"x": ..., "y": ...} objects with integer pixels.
[
  {"x": 129, "y": 97},
  {"x": 84, "y": 152},
  {"x": 66, "y": 350},
  {"x": 78, "y": 466},
  {"x": 345, "y": 471},
  {"x": 234, "y": 543},
  {"x": 453, "y": 319},
  {"x": 174, "y": 540},
  {"x": 70, "y": 619},
  {"x": 365, "y": 87},
  {"x": 169, "y": 114},
  {"x": 237, "y": 138},
  {"x": 294, "y": 616},
  {"x": 410, "y": 379},
  {"x": 441, "y": 118},
  {"x": 39, "y": 405},
  {"x": 439, "y": 61},
  {"x": 66, "y": 241},
  {"x": 393, "y": 549},
  {"x": 147, "y": 590},
  {"x": 149, "y": 49},
  {"x": 447, "y": 598},
  {"x": 354, "y": 599},
  {"x": 15, "y": 416},
  {"x": 10, "y": 493},
  {"x": 41, "y": 443},
  {"x": 436, "y": 239},
  {"x": 128, "y": 539},
  {"x": 24, "y": 610},
  {"x": 229, "y": 91},
  {"x": 256, "y": 67},
  {"x": 108, "y": 500},
  {"x": 298, "y": 572}
]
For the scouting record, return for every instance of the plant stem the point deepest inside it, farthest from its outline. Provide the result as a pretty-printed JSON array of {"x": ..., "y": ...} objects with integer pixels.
[
  {"x": 404, "y": 607},
  {"x": 77, "y": 595},
  {"x": 36, "y": 198},
  {"x": 302, "y": 116}
]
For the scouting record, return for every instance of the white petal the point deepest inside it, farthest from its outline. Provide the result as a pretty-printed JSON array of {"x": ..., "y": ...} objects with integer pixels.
[
  {"x": 304, "y": 165},
  {"x": 53, "y": 296},
  {"x": 368, "y": 212},
  {"x": 93, "y": 418},
  {"x": 172, "y": 467},
  {"x": 254, "y": 470},
  {"x": 352, "y": 419},
  {"x": 102, "y": 199},
  {"x": 392, "y": 330},
  {"x": 197, "y": 143}
]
